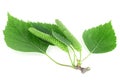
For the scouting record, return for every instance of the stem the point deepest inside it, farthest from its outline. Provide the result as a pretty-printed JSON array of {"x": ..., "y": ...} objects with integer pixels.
[
  {"x": 56, "y": 61},
  {"x": 71, "y": 60},
  {"x": 75, "y": 57},
  {"x": 86, "y": 57},
  {"x": 80, "y": 56},
  {"x": 79, "y": 61}
]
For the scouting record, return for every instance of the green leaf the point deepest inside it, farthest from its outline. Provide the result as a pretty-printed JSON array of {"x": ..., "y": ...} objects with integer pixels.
[
  {"x": 19, "y": 38},
  {"x": 100, "y": 39},
  {"x": 61, "y": 38}
]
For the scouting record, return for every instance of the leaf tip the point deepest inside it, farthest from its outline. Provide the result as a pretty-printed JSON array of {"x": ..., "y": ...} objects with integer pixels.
[
  {"x": 57, "y": 21},
  {"x": 9, "y": 15}
]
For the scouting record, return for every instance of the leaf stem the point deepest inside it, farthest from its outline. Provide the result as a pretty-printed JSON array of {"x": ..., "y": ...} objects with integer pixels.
[
  {"x": 80, "y": 56},
  {"x": 86, "y": 57},
  {"x": 75, "y": 57},
  {"x": 57, "y": 62},
  {"x": 73, "y": 65}
]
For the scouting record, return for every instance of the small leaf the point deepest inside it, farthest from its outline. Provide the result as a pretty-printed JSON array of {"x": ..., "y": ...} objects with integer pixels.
[
  {"x": 19, "y": 38},
  {"x": 60, "y": 38},
  {"x": 100, "y": 39}
]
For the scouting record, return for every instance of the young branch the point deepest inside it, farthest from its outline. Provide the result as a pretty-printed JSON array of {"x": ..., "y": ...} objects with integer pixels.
[{"x": 57, "y": 62}]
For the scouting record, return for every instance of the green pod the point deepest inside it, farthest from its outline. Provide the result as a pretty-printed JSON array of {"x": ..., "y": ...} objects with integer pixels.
[
  {"x": 75, "y": 43},
  {"x": 48, "y": 38}
]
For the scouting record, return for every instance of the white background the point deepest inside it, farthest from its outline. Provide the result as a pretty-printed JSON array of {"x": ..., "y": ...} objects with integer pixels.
[{"x": 77, "y": 15}]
